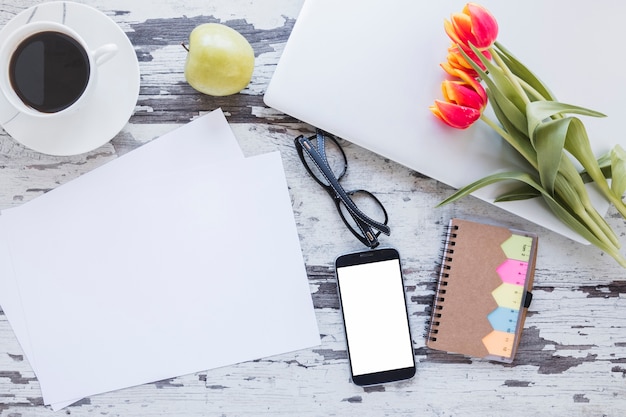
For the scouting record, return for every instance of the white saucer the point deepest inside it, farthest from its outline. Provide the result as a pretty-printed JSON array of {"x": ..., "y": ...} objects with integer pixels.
[{"x": 114, "y": 98}]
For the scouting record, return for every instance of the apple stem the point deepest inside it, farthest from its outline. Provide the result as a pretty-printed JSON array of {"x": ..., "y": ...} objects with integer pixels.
[{"x": 185, "y": 46}]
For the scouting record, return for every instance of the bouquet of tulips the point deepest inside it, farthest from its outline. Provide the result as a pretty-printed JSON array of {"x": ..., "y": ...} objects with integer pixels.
[{"x": 531, "y": 120}]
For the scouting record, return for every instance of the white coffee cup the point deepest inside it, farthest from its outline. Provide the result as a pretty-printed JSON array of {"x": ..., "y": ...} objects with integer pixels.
[{"x": 18, "y": 91}]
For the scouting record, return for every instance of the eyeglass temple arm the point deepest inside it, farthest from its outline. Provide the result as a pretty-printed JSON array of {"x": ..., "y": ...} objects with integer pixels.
[
  {"x": 354, "y": 211},
  {"x": 369, "y": 238}
]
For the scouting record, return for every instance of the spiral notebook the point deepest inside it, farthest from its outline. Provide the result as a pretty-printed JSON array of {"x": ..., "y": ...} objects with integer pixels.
[{"x": 483, "y": 291}]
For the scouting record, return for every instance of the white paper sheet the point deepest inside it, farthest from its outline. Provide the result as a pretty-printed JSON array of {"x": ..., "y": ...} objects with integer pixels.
[
  {"x": 205, "y": 140},
  {"x": 139, "y": 279}
]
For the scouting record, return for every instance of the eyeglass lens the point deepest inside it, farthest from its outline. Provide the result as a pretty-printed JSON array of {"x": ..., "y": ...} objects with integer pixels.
[{"x": 368, "y": 204}]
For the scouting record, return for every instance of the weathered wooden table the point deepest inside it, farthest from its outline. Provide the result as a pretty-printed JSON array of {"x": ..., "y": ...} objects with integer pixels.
[{"x": 572, "y": 358}]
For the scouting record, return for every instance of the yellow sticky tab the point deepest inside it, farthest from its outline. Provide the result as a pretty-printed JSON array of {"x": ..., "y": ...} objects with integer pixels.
[
  {"x": 509, "y": 296},
  {"x": 499, "y": 343},
  {"x": 518, "y": 247}
]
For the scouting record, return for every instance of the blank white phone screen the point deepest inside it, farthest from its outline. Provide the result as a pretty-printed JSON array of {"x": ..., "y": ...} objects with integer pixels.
[{"x": 375, "y": 317}]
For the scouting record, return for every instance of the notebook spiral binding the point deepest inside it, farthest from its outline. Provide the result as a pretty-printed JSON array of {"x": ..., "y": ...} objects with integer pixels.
[{"x": 443, "y": 268}]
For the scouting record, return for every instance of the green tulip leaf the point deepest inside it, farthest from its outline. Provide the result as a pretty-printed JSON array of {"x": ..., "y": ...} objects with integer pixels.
[
  {"x": 549, "y": 140},
  {"x": 606, "y": 171},
  {"x": 523, "y": 192},
  {"x": 483, "y": 182},
  {"x": 577, "y": 144},
  {"x": 517, "y": 139},
  {"x": 577, "y": 225},
  {"x": 510, "y": 112},
  {"x": 498, "y": 80},
  {"x": 604, "y": 162},
  {"x": 618, "y": 169},
  {"x": 494, "y": 77},
  {"x": 538, "y": 111},
  {"x": 521, "y": 71},
  {"x": 565, "y": 215}
]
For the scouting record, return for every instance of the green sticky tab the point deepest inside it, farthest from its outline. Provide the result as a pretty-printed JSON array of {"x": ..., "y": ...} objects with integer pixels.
[{"x": 518, "y": 247}]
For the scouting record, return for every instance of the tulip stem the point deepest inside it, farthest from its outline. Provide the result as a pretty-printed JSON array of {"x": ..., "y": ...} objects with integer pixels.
[
  {"x": 568, "y": 185},
  {"x": 514, "y": 80},
  {"x": 532, "y": 92},
  {"x": 585, "y": 210},
  {"x": 510, "y": 140}
]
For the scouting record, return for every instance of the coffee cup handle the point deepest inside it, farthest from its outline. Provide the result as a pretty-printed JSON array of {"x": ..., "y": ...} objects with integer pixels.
[{"x": 104, "y": 53}]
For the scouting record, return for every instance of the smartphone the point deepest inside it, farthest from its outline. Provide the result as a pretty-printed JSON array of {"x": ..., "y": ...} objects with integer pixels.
[{"x": 375, "y": 316}]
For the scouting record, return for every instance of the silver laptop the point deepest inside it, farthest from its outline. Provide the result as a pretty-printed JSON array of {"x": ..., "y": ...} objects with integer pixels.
[{"x": 367, "y": 70}]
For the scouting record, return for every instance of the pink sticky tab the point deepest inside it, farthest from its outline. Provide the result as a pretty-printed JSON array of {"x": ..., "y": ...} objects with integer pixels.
[{"x": 513, "y": 272}]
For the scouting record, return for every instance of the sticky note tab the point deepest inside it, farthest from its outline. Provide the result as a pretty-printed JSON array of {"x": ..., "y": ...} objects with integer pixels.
[
  {"x": 513, "y": 272},
  {"x": 499, "y": 343},
  {"x": 517, "y": 247},
  {"x": 504, "y": 319},
  {"x": 509, "y": 295}
]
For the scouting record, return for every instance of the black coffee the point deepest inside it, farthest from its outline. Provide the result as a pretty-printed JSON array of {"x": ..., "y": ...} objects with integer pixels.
[{"x": 49, "y": 71}]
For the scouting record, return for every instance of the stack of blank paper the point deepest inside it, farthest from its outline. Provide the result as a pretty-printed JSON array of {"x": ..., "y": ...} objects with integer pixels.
[{"x": 177, "y": 257}]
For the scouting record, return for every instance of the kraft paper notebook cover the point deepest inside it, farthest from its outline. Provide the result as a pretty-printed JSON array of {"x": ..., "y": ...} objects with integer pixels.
[{"x": 483, "y": 291}]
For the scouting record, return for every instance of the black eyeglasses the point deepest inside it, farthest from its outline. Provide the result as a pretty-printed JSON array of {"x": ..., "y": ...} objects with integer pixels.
[{"x": 326, "y": 162}]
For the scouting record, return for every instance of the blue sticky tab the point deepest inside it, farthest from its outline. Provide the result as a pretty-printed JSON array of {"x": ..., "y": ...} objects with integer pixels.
[{"x": 504, "y": 319}]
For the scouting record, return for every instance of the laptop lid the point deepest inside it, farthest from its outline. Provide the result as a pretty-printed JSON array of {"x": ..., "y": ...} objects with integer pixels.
[{"x": 368, "y": 70}]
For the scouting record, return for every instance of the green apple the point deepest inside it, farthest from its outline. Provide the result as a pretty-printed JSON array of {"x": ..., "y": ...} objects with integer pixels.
[{"x": 220, "y": 60}]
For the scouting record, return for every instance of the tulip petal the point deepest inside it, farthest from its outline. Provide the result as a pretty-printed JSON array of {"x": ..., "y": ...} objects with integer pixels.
[
  {"x": 451, "y": 32},
  {"x": 474, "y": 26},
  {"x": 455, "y": 71},
  {"x": 484, "y": 25},
  {"x": 456, "y": 59},
  {"x": 459, "y": 117},
  {"x": 451, "y": 70},
  {"x": 458, "y": 93},
  {"x": 474, "y": 56},
  {"x": 463, "y": 27},
  {"x": 474, "y": 84}
]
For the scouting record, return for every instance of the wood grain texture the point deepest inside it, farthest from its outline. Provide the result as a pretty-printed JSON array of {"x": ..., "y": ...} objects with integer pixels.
[{"x": 572, "y": 357}]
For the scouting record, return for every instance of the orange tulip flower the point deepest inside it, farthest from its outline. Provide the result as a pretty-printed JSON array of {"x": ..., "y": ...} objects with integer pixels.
[
  {"x": 474, "y": 26},
  {"x": 464, "y": 101},
  {"x": 456, "y": 61}
]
